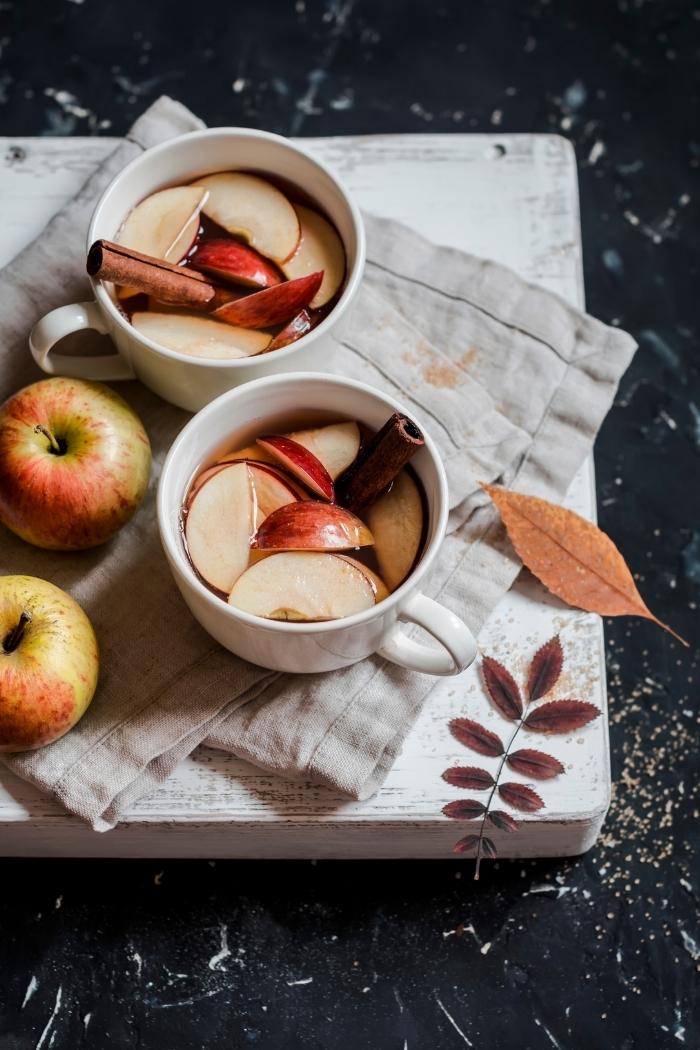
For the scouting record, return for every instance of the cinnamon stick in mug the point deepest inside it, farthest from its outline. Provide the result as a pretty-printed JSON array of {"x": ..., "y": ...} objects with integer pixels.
[
  {"x": 108, "y": 261},
  {"x": 379, "y": 462}
]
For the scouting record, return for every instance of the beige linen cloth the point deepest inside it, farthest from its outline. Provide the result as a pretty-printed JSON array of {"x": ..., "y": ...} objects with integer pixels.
[{"x": 511, "y": 381}]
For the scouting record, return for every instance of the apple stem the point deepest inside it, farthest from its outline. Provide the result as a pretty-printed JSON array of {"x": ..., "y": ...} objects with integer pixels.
[
  {"x": 55, "y": 445},
  {"x": 14, "y": 637}
]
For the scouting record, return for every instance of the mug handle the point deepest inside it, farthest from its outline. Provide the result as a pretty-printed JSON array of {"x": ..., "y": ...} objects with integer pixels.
[
  {"x": 66, "y": 319},
  {"x": 452, "y": 633}
]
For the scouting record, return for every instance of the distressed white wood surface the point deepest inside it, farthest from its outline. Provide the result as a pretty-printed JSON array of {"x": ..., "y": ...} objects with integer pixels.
[{"x": 512, "y": 198}]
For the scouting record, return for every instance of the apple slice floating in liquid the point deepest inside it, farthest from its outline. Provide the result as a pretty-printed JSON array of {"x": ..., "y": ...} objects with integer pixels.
[
  {"x": 320, "y": 248},
  {"x": 302, "y": 463},
  {"x": 297, "y": 327},
  {"x": 379, "y": 588},
  {"x": 336, "y": 445},
  {"x": 219, "y": 525},
  {"x": 164, "y": 225},
  {"x": 270, "y": 491},
  {"x": 271, "y": 306},
  {"x": 396, "y": 521},
  {"x": 301, "y": 586},
  {"x": 199, "y": 336},
  {"x": 235, "y": 262},
  {"x": 253, "y": 208},
  {"x": 314, "y": 526}
]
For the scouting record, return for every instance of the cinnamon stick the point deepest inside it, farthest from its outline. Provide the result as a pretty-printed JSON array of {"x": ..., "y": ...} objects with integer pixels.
[
  {"x": 108, "y": 261},
  {"x": 379, "y": 462}
]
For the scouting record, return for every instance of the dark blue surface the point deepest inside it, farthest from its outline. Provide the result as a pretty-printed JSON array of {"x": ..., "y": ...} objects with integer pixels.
[{"x": 601, "y": 951}]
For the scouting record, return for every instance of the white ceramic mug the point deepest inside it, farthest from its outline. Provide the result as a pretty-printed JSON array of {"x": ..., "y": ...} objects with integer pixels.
[
  {"x": 187, "y": 381},
  {"x": 304, "y": 647}
]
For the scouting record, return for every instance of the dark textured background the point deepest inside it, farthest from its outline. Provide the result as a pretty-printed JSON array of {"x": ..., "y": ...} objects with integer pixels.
[{"x": 566, "y": 954}]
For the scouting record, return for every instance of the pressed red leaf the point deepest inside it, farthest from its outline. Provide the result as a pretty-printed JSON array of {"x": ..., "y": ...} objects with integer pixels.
[
  {"x": 465, "y": 844},
  {"x": 464, "y": 809},
  {"x": 470, "y": 777},
  {"x": 474, "y": 736},
  {"x": 503, "y": 821},
  {"x": 488, "y": 849},
  {"x": 545, "y": 668},
  {"x": 535, "y": 764},
  {"x": 502, "y": 688},
  {"x": 520, "y": 796},
  {"x": 561, "y": 716}
]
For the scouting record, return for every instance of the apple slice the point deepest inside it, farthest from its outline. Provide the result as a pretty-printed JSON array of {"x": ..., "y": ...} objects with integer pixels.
[
  {"x": 199, "y": 336},
  {"x": 235, "y": 262},
  {"x": 164, "y": 225},
  {"x": 396, "y": 521},
  {"x": 219, "y": 525},
  {"x": 320, "y": 248},
  {"x": 297, "y": 327},
  {"x": 335, "y": 445},
  {"x": 314, "y": 526},
  {"x": 271, "y": 306},
  {"x": 302, "y": 587},
  {"x": 300, "y": 462},
  {"x": 253, "y": 208},
  {"x": 270, "y": 491},
  {"x": 379, "y": 588}
]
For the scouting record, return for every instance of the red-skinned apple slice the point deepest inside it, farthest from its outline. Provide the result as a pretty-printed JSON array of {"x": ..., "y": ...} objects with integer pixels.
[
  {"x": 300, "y": 462},
  {"x": 314, "y": 526},
  {"x": 219, "y": 525},
  {"x": 301, "y": 586},
  {"x": 336, "y": 445},
  {"x": 235, "y": 262},
  {"x": 253, "y": 208},
  {"x": 379, "y": 588},
  {"x": 396, "y": 521},
  {"x": 199, "y": 336},
  {"x": 271, "y": 306},
  {"x": 297, "y": 327},
  {"x": 164, "y": 225},
  {"x": 320, "y": 248}
]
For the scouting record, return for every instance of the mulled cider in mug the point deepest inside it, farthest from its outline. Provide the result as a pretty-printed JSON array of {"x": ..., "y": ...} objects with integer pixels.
[{"x": 305, "y": 520}]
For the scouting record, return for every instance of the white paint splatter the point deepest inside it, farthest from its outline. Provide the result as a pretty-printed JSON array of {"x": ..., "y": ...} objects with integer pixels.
[
  {"x": 597, "y": 151},
  {"x": 679, "y": 1030},
  {"x": 59, "y": 902},
  {"x": 136, "y": 958},
  {"x": 303, "y": 980},
  {"x": 31, "y": 988},
  {"x": 86, "y": 1020},
  {"x": 52, "y": 1018},
  {"x": 158, "y": 878},
  {"x": 691, "y": 945},
  {"x": 452, "y": 1021},
  {"x": 239, "y": 85},
  {"x": 223, "y": 952},
  {"x": 485, "y": 948},
  {"x": 546, "y": 887},
  {"x": 547, "y": 1032},
  {"x": 497, "y": 117}
]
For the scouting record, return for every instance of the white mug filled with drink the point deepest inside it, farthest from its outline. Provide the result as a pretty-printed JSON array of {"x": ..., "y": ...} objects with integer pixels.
[
  {"x": 300, "y": 515},
  {"x": 215, "y": 258}
]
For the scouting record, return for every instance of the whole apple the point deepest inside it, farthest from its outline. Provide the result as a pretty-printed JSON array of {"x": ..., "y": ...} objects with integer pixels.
[
  {"x": 49, "y": 663},
  {"x": 74, "y": 463}
]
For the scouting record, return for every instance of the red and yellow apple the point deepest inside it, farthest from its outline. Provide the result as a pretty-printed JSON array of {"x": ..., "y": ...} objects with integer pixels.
[
  {"x": 49, "y": 663},
  {"x": 74, "y": 463}
]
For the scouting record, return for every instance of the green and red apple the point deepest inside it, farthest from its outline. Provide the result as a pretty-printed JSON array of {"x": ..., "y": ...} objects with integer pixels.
[
  {"x": 74, "y": 463},
  {"x": 49, "y": 663}
]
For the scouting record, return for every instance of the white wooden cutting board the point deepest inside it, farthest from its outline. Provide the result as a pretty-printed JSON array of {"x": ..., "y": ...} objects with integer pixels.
[{"x": 513, "y": 198}]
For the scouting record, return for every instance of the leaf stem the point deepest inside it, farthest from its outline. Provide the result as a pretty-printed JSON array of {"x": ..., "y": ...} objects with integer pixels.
[{"x": 502, "y": 763}]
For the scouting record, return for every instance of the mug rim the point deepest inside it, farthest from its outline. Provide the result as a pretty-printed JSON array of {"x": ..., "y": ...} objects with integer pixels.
[
  {"x": 352, "y": 283},
  {"x": 175, "y": 551}
]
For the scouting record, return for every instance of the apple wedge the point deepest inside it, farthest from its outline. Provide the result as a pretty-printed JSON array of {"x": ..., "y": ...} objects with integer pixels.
[
  {"x": 270, "y": 491},
  {"x": 271, "y": 306},
  {"x": 235, "y": 262},
  {"x": 297, "y": 327},
  {"x": 335, "y": 445},
  {"x": 379, "y": 588},
  {"x": 396, "y": 521},
  {"x": 164, "y": 225},
  {"x": 254, "y": 209},
  {"x": 320, "y": 248},
  {"x": 219, "y": 525},
  {"x": 313, "y": 526},
  {"x": 302, "y": 587},
  {"x": 199, "y": 336},
  {"x": 300, "y": 462}
]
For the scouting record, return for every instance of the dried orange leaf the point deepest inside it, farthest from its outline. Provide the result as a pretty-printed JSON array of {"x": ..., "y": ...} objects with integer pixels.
[{"x": 571, "y": 556}]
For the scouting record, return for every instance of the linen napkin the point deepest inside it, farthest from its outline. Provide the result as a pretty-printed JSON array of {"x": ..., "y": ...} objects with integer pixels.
[{"x": 510, "y": 380}]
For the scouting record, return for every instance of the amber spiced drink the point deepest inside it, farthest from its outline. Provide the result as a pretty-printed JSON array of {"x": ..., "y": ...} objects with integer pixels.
[
  {"x": 308, "y": 522},
  {"x": 228, "y": 267}
]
